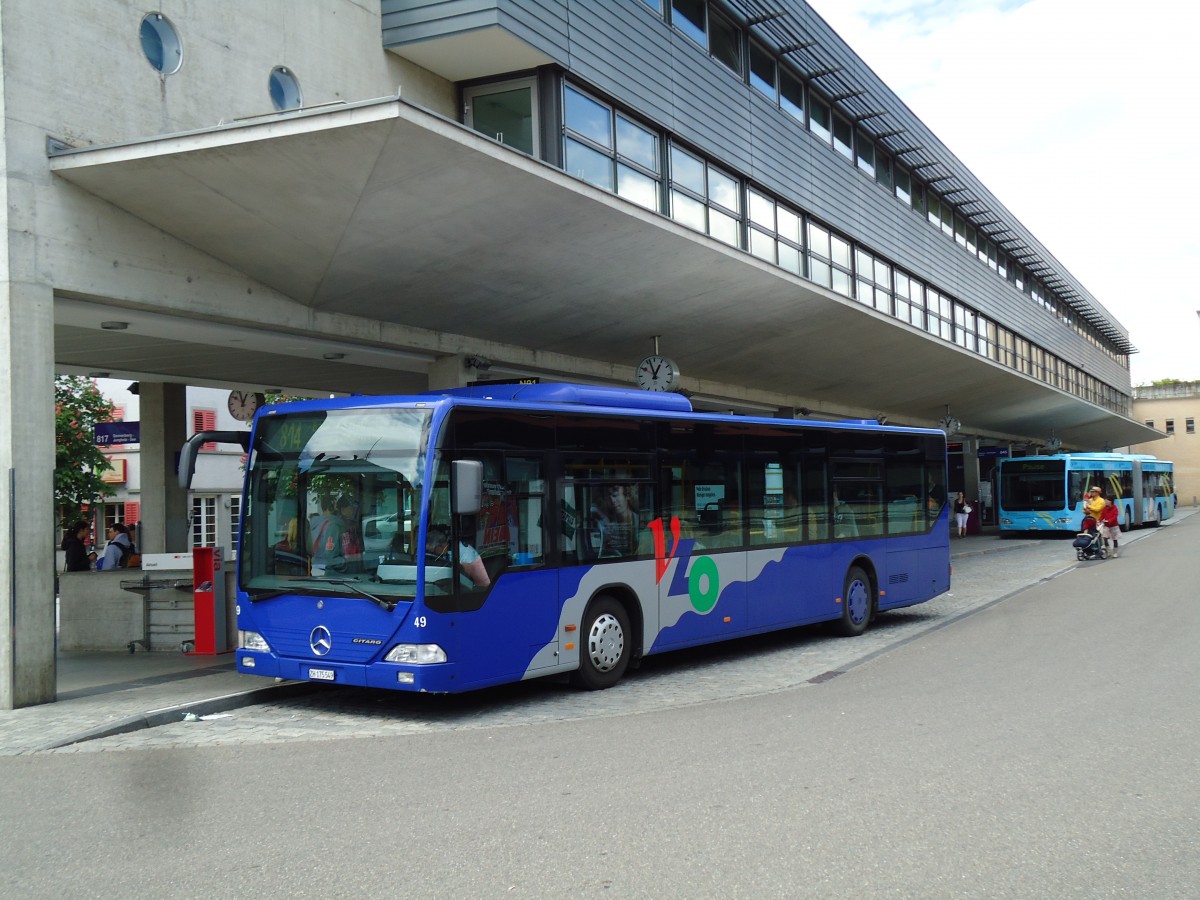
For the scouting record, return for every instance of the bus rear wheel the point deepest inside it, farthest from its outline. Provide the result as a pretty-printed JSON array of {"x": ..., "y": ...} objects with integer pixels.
[
  {"x": 607, "y": 645},
  {"x": 856, "y": 603}
]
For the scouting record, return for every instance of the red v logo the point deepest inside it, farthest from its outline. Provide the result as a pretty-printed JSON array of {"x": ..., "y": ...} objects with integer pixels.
[{"x": 662, "y": 560}]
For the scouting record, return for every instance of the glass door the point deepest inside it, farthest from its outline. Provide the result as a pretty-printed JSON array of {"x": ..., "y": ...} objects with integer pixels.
[{"x": 505, "y": 111}]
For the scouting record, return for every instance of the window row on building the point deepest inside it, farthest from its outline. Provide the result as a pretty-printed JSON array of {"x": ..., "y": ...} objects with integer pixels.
[
  {"x": 1189, "y": 425},
  {"x": 750, "y": 61},
  {"x": 609, "y": 149}
]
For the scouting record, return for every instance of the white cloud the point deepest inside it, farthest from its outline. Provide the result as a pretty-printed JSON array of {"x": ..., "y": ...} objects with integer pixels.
[{"x": 1076, "y": 115}]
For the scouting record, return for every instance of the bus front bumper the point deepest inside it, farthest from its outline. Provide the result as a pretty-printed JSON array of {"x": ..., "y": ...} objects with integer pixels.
[{"x": 434, "y": 678}]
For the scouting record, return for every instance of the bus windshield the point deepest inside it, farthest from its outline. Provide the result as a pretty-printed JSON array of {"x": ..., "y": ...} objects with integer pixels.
[
  {"x": 1034, "y": 485},
  {"x": 330, "y": 503}
]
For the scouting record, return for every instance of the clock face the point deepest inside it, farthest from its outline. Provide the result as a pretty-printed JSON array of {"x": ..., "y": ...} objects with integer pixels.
[
  {"x": 244, "y": 404},
  {"x": 657, "y": 373},
  {"x": 950, "y": 425}
]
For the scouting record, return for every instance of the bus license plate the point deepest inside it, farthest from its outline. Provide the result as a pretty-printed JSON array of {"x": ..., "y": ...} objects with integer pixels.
[{"x": 321, "y": 674}]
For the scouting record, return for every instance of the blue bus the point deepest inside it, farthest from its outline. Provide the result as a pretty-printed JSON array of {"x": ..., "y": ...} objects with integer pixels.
[
  {"x": 454, "y": 540},
  {"x": 1045, "y": 493}
]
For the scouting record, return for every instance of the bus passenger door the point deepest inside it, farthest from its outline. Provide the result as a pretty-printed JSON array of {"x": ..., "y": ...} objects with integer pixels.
[{"x": 702, "y": 592}]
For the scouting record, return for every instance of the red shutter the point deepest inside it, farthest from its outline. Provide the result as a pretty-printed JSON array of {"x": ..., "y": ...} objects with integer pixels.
[
  {"x": 204, "y": 420},
  {"x": 118, "y": 415},
  {"x": 132, "y": 513}
]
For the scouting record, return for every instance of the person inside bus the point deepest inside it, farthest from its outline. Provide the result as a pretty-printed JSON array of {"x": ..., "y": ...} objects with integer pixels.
[
  {"x": 319, "y": 521},
  {"x": 338, "y": 545},
  {"x": 845, "y": 522},
  {"x": 473, "y": 572}
]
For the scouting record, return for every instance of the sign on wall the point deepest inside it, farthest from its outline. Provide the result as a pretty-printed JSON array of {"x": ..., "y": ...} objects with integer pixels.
[{"x": 109, "y": 434}]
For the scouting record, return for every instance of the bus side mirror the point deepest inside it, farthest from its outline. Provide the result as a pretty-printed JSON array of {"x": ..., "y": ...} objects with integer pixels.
[
  {"x": 187, "y": 455},
  {"x": 468, "y": 486}
]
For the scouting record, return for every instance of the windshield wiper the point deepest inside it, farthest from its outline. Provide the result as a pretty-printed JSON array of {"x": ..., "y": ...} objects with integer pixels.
[
  {"x": 256, "y": 594},
  {"x": 388, "y": 605},
  {"x": 270, "y": 593}
]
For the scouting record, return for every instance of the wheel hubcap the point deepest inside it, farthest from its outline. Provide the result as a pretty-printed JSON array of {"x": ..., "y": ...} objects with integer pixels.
[
  {"x": 606, "y": 642},
  {"x": 859, "y": 602}
]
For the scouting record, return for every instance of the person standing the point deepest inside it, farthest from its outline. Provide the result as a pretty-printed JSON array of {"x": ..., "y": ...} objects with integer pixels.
[
  {"x": 118, "y": 548},
  {"x": 1110, "y": 525},
  {"x": 1094, "y": 505},
  {"x": 75, "y": 549},
  {"x": 960, "y": 513}
]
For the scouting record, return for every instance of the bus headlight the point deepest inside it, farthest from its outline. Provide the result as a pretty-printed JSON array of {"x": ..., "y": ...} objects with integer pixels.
[
  {"x": 252, "y": 640},
  {"x": 416, "y": 654}
]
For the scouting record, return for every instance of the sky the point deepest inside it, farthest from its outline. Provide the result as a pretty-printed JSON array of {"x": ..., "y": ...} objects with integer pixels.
[{"x": 1078, "y": 116}]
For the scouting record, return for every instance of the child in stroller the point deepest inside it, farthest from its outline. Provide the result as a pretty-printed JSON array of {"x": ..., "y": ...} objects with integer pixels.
[{"x": 1088, "y": 544}]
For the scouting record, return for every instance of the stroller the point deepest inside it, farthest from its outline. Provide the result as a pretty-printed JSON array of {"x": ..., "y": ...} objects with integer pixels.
[{"x": 1088, "y": 544}]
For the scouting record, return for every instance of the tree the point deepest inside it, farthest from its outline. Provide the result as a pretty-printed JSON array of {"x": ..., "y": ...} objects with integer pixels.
[{"x": 78, "y": 462}]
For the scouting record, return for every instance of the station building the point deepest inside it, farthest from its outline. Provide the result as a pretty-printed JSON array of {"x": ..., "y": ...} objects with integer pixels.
[
  {"x": 383, "y": 196},
  {"x": 1173, "y": 408}
]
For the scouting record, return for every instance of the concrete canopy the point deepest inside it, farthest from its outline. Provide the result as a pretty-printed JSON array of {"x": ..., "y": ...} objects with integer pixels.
[{"x": 391, "y": 214}]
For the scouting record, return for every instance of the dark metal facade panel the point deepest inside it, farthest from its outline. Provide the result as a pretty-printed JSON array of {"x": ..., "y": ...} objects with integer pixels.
[
  {"x": 630, "y": 54},
  {"x": 406, "y": 22},
  {"x": 603, "y": 63},
  {"x": 542, "y": 25}
]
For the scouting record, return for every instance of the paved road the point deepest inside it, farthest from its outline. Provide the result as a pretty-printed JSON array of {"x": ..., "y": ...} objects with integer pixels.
[
  {"x": 737, "y": 670},
  {"x": 1043, "y": 747}
]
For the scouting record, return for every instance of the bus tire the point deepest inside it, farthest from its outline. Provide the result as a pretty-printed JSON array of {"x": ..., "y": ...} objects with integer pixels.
[
  {"x": 607, "y": 645},
  {"x": 856, "y": 603}
]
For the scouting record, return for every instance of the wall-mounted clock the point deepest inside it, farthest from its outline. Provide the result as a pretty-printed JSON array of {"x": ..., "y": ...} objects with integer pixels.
[
  {"x": 657, "y": 373},
  {"x": 244, "y": 404}
]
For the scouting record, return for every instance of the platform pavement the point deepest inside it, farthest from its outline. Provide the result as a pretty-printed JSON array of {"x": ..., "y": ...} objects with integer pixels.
[{"x": 104, "y": 694}]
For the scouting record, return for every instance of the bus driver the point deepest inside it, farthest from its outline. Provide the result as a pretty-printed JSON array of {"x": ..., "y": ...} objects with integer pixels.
[{"x": 437, "y": 553}]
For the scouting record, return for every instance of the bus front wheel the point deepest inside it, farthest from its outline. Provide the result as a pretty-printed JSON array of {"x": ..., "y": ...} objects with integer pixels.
[
  {"x": 607, "y": 647},
  {"x": 856, "y": 603}
]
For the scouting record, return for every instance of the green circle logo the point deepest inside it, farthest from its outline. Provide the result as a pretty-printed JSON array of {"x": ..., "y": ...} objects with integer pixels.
[{"x": 704, "y": 584}]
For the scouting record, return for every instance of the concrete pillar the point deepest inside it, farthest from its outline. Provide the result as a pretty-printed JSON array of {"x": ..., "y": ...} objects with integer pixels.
[
  {"x": 971, "y": 477},
  {"x": 164, "y": 428},
  {"x": 27, "y": 528},
  {"x": 450, "y": 372}
]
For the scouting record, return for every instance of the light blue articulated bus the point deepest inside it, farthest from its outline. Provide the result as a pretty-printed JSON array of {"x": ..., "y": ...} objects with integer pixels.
[
  {"x": 1045, "y": 493},
  {"x": 450, "y": 541}
]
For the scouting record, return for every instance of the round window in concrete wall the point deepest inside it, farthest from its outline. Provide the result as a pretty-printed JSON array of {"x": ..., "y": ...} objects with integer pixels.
[
  {"x": 160, "y": 43},
  {"x": 285, "y": 89}
]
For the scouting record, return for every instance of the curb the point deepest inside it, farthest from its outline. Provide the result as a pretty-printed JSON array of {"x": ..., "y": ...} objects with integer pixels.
[{"x": 171, "y": 714}]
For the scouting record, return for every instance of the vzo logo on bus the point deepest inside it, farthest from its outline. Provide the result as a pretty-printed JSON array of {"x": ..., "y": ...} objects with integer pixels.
[{"x": 702, "y": 583}]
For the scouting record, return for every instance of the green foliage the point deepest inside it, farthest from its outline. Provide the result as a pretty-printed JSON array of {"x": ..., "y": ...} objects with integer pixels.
[
  {"x": 78, "y": 462},
  {"x": 273, "y": 398}
]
